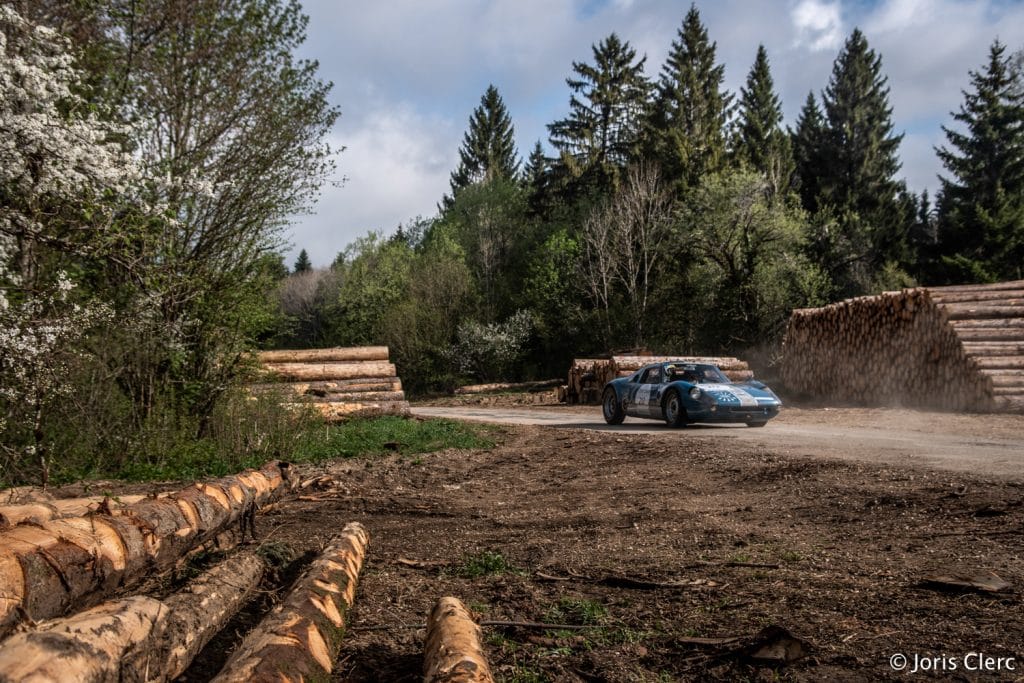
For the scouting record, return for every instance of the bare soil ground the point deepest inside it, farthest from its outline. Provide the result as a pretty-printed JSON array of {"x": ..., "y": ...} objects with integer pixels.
[
  {"x": 676, "y": 556},
  {"x": 681, "y": 555}
]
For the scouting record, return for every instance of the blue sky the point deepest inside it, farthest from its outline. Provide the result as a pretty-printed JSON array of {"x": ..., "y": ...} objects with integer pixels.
[{"x": 407, "y": 75}]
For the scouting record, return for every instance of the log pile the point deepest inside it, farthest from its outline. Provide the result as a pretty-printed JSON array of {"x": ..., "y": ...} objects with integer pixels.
[
  {"x": 338, "y": 382},
  {"x": 59, "y": 565},
  {"x": 587, "y": 376},
  {"x": 950, "y": 348}
]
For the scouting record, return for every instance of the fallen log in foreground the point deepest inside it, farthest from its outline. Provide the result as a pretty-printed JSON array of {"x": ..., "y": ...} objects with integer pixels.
[
  {"x": 43, "y": 511},
  {"x": 300, "y": 638},
  {"x": 137, "y": 638},
  {"x": 65, "y": 564},
  {"x": 452, "y": 652}
]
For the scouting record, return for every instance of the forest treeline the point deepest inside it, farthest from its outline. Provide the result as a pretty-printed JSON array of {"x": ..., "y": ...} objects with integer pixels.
[
  {"x": 673, "y": 215},
  {"x": 153, "y": 152}
]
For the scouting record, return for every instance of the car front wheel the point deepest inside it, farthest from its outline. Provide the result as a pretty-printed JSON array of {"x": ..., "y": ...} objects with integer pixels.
[
  {"x": 675, "y": 413},
  {"x": 613, "y": 412}
]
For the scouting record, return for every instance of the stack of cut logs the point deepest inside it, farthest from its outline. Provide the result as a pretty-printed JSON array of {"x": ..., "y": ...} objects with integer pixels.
[
  {"x": 587, "y": 376},
  {"x": 951, "y": 348},
  {"x": 339, "y": 382},
  {"x": 60, "y": 567}
]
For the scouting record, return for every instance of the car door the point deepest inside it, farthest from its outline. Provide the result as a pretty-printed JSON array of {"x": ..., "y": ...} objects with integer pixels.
[{"x": 646, "y": 401}]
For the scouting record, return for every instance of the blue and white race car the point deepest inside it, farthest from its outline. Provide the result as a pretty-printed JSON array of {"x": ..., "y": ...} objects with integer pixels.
[{"x": 684, "y": 393}]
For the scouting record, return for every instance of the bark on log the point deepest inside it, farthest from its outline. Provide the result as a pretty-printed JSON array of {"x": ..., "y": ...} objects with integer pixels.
[
  {"x": 137, "y": 638},
  {"x": 351, "y": 353},
  {"x": 290, "y": 372},
  {"x": 62, "y": 564},
  {"x": 91, "y": 646},
  {"x": 452, "y": 652},
  {"x": 301, "y": 637},
  {"x": 24, "y": 494},
  {"x": 37, "y": 513}
]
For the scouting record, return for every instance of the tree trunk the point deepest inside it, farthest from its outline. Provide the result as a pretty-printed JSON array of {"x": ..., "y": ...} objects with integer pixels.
[
  {"x": 452, "y": 652},
  {"x": 136, "y": 638},
  {"x": 63, "y": 564},
  {"x": 300, "y": 638}
]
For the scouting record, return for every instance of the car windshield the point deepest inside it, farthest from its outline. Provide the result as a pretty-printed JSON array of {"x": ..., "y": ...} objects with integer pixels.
[{"x": 700, "y": 374}]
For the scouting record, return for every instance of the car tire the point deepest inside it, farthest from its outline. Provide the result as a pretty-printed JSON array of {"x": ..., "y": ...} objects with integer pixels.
[
  {"x": 757, "y": 424},
  {"x": 612, "y": 408},
  {"x": 672, "y": 409}
]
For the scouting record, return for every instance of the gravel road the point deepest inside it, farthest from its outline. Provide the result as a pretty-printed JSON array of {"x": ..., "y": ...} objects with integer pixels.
[{"x": 986, "y": 445}]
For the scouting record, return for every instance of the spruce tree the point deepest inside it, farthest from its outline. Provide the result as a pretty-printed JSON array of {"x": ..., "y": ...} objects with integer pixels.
[
  {"x": 760, "y": 142},
  {"x": 609, "y": 99},
  {"x": 859, "y": 151},
  {"x": 488, "y": 148},
  {"x": 536, "y": 178},
  {"x": 981, "y": 204},
  {"x": 808, "y": 148},
  {"x": 302, "y": 263},
  {"x": 686, "y": 129}
]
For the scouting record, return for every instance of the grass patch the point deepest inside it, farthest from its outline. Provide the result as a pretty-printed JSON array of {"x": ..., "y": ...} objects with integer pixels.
[
  {"x": 389, "y": 434},
  {"x": 314, "y": 442},
  {"x": 577, "y": 611},
  {"x": 484, "y": 563}
]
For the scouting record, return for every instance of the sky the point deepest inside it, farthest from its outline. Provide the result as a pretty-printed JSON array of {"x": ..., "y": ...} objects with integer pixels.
[{"x": 407, "y": 75}]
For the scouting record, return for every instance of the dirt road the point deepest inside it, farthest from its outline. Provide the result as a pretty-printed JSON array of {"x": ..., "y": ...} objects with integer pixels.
[{"x": 988, "y": 445}]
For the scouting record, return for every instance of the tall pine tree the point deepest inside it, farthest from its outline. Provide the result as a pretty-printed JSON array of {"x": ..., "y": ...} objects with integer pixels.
[
  {"x": 609, "y": 99},
  {"x": 858, "y": 177},
  {"x": 686, "y": 129},
  {"x": 488, "y": 148},
  {"x": 808, "y": 149},
  {"x": 302, "y": 263},
  {"x": 981, "y": 204},
  {"x": 760, "y": 142}
]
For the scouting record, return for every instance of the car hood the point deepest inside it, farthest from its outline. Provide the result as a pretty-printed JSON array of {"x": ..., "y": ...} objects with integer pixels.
[{"x": 742, "y": 394}]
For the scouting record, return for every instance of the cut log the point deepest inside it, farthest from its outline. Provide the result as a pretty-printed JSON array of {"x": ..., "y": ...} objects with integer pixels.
[
  {"x": 37, "y": 513},
  {"x": 1000, "y": 362},
  {"x": 1004, "y": 348},
  {"x": 940, "y": 297},
  {"x": 989, "y": 334},
  {"x": 63, "y": 564},
  {"x": 136, "y": 638},
  {"x": 344, "y": 411},
  {"x": 300, "y": 638},
  {"x": 1003, "y": 323},
  {"x": 24, "y": 494},
  {"x": 452, "y": 652},
  {"x": 201, "y": 610},
  {"x": 505, "y": 386},
  {"x": 91, "y": 646},
  {"x": 351, "y": 353},
  {"x": 1010, "y": 308},
  {"x": 354, "y": 397},
  {"x": 329, "y": 371}
]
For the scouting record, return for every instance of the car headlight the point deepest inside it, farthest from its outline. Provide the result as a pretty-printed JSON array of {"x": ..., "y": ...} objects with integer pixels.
[{"x": 695, "y": 393}]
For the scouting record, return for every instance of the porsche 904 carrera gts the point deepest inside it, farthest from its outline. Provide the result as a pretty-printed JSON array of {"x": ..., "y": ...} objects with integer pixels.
[{"x": 684, "y": 393}]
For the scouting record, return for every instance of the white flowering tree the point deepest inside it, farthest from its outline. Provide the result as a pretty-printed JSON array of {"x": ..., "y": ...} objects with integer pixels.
[{"x": 60, "y": 178}]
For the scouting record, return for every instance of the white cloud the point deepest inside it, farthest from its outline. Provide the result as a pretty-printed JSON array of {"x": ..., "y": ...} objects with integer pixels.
[
  {"x": 396, "y": 166},
  {"x": 818, "y": 24},
  {"x": 408, "y": 74}
]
